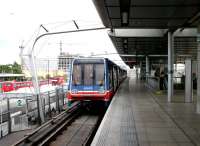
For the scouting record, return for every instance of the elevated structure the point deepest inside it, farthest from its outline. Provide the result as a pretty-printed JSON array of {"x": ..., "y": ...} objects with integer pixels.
[
  {"x": 64, "y": 60},
  {"x": 140, "y": 26},
  {"x": 8, "y": 76},
  {"x": 163, "y": 31},
  {"x": 144, "y": 32}
]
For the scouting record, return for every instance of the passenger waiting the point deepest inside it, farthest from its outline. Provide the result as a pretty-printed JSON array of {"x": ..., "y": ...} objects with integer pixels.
[{"x": 162, "y": 77}]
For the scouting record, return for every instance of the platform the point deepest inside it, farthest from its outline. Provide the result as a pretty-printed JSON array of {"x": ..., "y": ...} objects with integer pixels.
[{"x": 137, "y": 116}]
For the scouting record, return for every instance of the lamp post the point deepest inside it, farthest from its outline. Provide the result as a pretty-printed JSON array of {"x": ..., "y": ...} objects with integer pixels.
[{"x": 48, "y": 70}]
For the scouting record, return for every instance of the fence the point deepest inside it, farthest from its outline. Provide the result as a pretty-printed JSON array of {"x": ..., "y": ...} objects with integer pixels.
[
  {"x": 153, "y": 83},
  {"x": 179, "y": 83},
  {"x": 20, "y": 111}
]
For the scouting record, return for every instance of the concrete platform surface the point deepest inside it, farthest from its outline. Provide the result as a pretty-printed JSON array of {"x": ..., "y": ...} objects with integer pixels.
[
  {"x": 137, "y": 117},
  {"x": 12, "y": 138}
]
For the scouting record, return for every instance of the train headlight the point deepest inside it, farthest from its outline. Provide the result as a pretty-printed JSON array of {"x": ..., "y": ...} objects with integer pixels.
[{"x": 74, "y": 91}]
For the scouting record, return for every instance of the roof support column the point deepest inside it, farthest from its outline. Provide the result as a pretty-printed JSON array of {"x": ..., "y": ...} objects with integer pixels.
[
  {"x": 140, "y": 77},
  {"x": 198, "y": 70},
  {"x": 37, "y": 89},
  {"x": 147, "y": 68},
  {"x": 188, "y": 80},
  {"x": 170, "y": 66},
  {"x": 137, "y": 77}
]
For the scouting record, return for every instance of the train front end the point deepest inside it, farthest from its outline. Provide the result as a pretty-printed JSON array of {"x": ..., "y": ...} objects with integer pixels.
[{"x": 88, "y": 80}]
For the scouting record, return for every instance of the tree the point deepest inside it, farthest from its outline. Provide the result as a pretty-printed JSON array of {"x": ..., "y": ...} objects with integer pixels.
[
  {"x": 6, "y": 68},
  {"x": 16, "y": 68},
  {"x": 11, "y": 68}
]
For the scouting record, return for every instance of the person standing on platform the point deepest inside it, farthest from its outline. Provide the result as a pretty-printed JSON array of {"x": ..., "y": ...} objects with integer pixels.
[{"x": 162, "y": 76}]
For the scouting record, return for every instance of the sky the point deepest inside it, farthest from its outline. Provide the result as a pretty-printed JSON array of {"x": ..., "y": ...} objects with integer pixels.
[{"x": 20, "y": 25}]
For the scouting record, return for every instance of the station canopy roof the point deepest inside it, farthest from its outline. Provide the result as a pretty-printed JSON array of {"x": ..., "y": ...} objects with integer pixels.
[{"x": 139, "y": 27}]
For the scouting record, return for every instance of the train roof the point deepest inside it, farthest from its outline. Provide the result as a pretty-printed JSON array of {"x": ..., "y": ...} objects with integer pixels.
[{"x": 96, "y": 58}]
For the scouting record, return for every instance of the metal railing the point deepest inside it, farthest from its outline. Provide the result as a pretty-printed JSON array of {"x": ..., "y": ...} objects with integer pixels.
[
  {"x": 43, "y": 130},
  {"x": 20, "y": 111},
  {"x": 179, "y": 83}
]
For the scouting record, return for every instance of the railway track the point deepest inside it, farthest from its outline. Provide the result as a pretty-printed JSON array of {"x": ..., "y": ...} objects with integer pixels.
[
  {"x": 72, "y": 127},
  {"x": 78, "y": 133}
]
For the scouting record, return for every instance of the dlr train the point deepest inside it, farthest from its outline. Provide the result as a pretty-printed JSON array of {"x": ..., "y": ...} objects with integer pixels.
[{"x": 94, "y": 79}]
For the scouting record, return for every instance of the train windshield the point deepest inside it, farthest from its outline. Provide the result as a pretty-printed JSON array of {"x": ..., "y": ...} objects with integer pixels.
[
  {"x": 88, "y": 74},
  {"x": 77, "y": 73}
]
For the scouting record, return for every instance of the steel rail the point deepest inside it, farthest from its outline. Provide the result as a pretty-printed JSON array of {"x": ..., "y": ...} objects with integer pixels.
[
  {"x": 51, "y": 122},
  {"x": 58, "y": 130}
]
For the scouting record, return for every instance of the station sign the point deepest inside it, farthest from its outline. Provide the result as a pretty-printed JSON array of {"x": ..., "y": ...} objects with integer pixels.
[{"x": 19, "y": 102}]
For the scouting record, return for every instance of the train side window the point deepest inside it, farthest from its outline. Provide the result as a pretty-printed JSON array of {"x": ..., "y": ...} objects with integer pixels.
[
  {"x": 115, "y": 77},
  {"x": 110, "y": 78},
  {"x": 99, "y": 74},
  {"x": 77, "y": 74}
]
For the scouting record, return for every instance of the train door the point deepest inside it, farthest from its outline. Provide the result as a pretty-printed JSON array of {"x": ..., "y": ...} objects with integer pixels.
[
  {"x": 120, "y": 76},
  {"x": 115, "y": 78},
  {"x": 117, "y": 71}
]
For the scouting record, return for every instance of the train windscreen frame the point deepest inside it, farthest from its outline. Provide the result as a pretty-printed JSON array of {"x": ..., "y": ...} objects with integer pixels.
[{"x": 88, "y": 74}]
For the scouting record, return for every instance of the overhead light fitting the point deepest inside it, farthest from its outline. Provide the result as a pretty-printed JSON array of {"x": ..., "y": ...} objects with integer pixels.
[
  {"x": 124, "y": 17},
  {"x": 125, "y": 41}
]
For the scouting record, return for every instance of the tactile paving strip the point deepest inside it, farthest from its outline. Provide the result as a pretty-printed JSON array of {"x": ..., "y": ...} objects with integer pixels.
[{"x": 117, "y": 127}]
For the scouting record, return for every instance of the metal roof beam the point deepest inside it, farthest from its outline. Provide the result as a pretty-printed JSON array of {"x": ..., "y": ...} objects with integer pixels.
[
  {"x": 139, "y": 55},
  {"x": 188, "y": 32},
  {"x": 156, "y": 5},
  {"x": 136, "y": 32}
]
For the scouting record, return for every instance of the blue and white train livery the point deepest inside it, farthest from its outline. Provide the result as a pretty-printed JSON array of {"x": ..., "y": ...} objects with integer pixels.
[{"x": 94, "y": 79}]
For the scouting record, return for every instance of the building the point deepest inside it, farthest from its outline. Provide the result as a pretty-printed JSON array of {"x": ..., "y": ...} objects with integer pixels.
[
  {"x": 10, "y": 76},
  {"x": 64, "y": 61}
]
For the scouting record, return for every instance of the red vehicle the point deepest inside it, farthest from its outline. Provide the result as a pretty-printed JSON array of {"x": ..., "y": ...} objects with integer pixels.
[
  {"x": 8, "y": 86},
  {"x": 18, "y": 85},
  {"x": 57, "y": 80}
]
